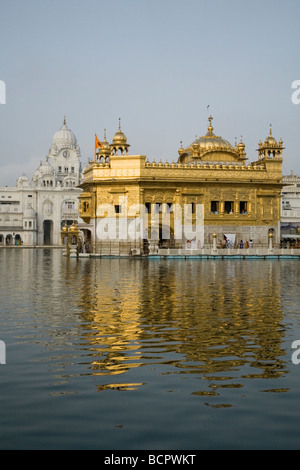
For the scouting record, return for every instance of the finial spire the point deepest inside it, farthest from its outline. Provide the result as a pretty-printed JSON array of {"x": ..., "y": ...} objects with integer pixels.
[
  {"x": 210, "y": 127},
  {"x": 105, "y": 134},
  {"x": 65, "y": 122},
  {"x": 119, "y": 123},
  {"x": 270, "y": 130}
]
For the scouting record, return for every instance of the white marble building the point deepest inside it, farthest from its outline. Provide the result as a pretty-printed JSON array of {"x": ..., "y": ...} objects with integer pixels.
[
  {"x": 33, "y": 213},
  {"x": 290, "y": 210}
]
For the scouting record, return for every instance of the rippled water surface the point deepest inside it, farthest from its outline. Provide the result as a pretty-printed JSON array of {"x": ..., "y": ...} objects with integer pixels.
[{"x": 148, "y": 354}]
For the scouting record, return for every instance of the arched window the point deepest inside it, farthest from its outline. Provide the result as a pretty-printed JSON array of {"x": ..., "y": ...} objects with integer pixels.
[
  {"x": 18, "y": 240},
  {"x": 9, "y": 239}
]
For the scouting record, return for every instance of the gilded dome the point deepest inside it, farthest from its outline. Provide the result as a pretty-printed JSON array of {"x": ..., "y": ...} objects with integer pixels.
[
  {"x": 73, "y": 228},
  {"x": 212, "y": 141},
  {"x": 105, "y": 144},
  {"x": 241, "y": 146},
  {"x": 211, "y": 147},
  {"x": 119, "y": 137},
  {"x": 270, "y": 140},
  {"x": 104, "y": 150},
  {"x": 64, "y": 138}
]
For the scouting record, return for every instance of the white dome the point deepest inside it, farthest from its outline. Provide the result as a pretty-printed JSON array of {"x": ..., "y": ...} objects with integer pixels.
[
  {"x": 46, "y": 169},
  {"x": 29, "y": 212},
  {"x": 64, "y": 138},
  {"x": 23, "y": 182}
]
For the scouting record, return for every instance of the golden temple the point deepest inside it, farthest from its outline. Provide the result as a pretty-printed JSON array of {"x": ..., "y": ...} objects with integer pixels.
[{"x": 211, "y": 184}]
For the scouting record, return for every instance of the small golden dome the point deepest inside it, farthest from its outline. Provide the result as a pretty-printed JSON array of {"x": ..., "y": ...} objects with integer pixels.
[
  {"x": 73, "y": 228},
  {"x": 181, "y": 150},
  {"x": 105, "y": 149},
  {"x": 65, "y": 228},
  {"x": 241, "y": 145},
  {"x": 105, "y": 143},
  {"x": 119, "y": 137},
  {"x": 270, "y": 140}
]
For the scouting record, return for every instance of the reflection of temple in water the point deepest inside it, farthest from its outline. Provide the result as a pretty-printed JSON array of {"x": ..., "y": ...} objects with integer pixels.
[
  {"x": 226, "y": 315},
  {"x": 112, "y": 305},
  {"x": 217, "y": 317}
]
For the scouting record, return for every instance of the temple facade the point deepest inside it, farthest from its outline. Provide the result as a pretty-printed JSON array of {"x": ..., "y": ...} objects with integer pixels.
[{"x": 210, "y": 191}]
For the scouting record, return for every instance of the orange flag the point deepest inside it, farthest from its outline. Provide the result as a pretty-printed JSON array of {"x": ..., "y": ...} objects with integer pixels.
[{"x": 97, "y": 144}]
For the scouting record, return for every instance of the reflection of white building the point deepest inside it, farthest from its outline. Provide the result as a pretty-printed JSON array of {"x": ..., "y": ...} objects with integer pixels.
[
  {"x": 290, "y": 209},
  {"x": 34, "y": 213}
]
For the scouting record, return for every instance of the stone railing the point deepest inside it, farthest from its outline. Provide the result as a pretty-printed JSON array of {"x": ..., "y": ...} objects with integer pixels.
[
  {"x": 193, "y": 166},
  {"x": 205, "y": 166}
]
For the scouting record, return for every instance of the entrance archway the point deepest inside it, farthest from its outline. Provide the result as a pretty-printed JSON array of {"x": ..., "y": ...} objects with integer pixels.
[
  {"x": 166, "y": 236},
  {"x": 48, "y": 232},
  {"x": 18, "y": 240},
  {"x": 9, "y": 239}
]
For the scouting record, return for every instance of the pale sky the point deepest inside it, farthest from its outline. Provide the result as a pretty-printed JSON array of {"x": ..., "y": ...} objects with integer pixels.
[{"x": 157, "y": 64}]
